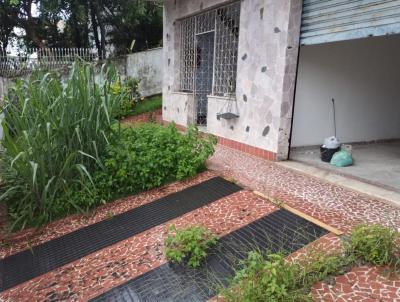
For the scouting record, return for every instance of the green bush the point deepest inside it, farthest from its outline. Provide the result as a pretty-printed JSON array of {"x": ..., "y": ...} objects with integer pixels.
[
  {"x": 129, "y": 88},
  {"x": 189, "y": 244},
  {"x": 64, "y": 152},
  {"x": 373, "y": 243},
  {"x": 55, "y": 134},
  {"x": 150, "y": 155}
]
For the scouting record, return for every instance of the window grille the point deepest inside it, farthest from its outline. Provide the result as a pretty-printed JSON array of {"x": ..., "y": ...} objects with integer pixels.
[
  {"x": 226, "y": 50},
  {"x": 224, "y": 22},
  {"x": 187, "y": 55}
]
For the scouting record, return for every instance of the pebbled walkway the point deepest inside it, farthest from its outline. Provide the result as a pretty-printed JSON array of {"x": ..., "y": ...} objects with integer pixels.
[
  {"x": 98, "y": 272},
  {"x": 333, "y": 205},
  {"x": 16, "y": 242},
  {"x": 364, "y": 283}
]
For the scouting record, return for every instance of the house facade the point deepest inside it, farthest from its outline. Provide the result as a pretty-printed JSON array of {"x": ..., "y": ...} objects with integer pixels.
[{"x": 231, "y": 66}]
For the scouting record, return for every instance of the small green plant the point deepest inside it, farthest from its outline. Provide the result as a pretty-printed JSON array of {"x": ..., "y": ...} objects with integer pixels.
[
  {"x": 269, "y": 277},
  {"x": 262, "y": 278},
  {"x": 373, "y": 243},
  {"x": 189, "y": 244},
  {"x": 266, "y": 277}
]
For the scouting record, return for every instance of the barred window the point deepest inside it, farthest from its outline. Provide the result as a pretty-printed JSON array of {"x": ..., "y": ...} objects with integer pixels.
[
  {"x": 226, "y": 51},
  {"x": 224, "y": 23},
  {"x": 187, "y": 54}
]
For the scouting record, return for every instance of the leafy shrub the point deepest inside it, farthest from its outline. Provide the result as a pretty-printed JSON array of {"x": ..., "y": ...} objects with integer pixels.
[
  {"x": 55, "y": 135},
  {"x": 189, "y": 244},
  {"x": 125, "y": 108},
  {"x": 373, "y": 243},
  {"x": 262, "y": 279},
  {"x": 64, "y": 152},
  {"x": 149, "y": 155},
  {"x": 129, "y": 88}
]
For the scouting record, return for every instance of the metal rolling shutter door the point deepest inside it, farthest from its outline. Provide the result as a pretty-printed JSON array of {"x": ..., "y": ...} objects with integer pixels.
[{"x": 326, "y": 21}]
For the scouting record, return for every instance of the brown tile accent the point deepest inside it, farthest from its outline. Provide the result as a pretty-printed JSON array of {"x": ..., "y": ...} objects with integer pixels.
[
  {"x": 144, "y": 117},
  {"x": 264, "y": 154}
]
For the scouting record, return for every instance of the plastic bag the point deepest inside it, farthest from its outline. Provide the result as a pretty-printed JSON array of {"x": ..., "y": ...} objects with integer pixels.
[
  {"x": 342, "y": 158},
  {"x": 331, "y": 143}
]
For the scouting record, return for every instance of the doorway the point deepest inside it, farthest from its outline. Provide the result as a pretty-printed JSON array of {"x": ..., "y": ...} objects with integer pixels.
[
  {"x": 203, "y": 74},
  {"x": 362, "y": 77}
]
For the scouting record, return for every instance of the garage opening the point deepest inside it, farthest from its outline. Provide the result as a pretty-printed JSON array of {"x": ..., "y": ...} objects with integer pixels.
[{"x": 363, "y": 77}]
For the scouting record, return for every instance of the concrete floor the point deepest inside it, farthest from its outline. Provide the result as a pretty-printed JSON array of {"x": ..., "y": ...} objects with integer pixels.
[{"x": 375, "y": 163}]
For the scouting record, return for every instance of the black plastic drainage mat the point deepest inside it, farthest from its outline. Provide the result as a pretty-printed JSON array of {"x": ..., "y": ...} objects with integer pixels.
[
  {"x": 55, "y": 253},
  {"x": 280, "y": 231}
]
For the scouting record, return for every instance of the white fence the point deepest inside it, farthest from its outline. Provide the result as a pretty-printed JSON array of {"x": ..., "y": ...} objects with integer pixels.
[
  {"x": 144, "y": 65},
  {"x": 42, "y": 58}
]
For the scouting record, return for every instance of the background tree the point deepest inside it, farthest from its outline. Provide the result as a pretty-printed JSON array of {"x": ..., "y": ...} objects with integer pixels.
[
  {"x": 88, "y": 23},
  {"x": 141, "y": 22},
  {"x": 8, "y": 18}
]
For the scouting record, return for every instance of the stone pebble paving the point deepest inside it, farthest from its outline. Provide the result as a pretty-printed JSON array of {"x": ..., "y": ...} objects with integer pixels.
[
  {"x": 331, "y": 204},
  {"x": 19, "y": 241},
  {"x": 96, "y": 273},
  {"x": 100, "y": 271},
  {"x": 363, "y": 283}
]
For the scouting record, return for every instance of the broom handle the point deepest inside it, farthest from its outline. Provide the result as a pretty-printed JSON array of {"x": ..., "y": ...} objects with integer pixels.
[{"x": 334, "y": 115}]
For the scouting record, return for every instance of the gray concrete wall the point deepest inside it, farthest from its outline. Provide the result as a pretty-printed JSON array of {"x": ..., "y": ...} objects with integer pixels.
[
  {"x": 5, "y": 83},
  {"x": 363, "y": 77},
  {"x": 146, "y": 66},
  {"x": 267, "y": 58}
]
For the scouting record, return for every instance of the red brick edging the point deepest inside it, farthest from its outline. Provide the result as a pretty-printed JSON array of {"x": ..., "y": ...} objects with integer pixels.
[
  {"x": 146, "y": 117},
  {"x": 262, "y": 153}
]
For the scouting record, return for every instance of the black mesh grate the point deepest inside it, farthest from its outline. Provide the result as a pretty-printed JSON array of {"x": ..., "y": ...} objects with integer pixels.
[
  {"x": 280, "y": 231},
  {"x": 45, "y": 257}
]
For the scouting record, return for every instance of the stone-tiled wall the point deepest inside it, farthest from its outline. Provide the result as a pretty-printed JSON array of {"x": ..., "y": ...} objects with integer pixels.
[{"x": 267, "y": 59}]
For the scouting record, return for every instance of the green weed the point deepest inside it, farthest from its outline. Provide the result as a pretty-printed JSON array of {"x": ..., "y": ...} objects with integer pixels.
[{"x": 189, "y": 244}]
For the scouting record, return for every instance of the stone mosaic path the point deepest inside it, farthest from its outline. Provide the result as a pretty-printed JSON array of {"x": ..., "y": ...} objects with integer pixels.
[
  {"x": 19, "y": 241},
  {"x": 55, "y": 253},
  {"x": 98, "y": 272},
  {"x": 365, "y": 283},
  {"x": 333, "y": 205}
]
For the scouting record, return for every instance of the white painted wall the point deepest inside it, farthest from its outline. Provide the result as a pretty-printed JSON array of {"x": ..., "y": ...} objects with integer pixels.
[
  {"x": 364, "y": 78},
  {"x": 146, "y": 66}
]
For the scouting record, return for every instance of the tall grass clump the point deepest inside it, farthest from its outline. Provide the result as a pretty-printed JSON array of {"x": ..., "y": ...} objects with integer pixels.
[{"x": 55, "y": 134}]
